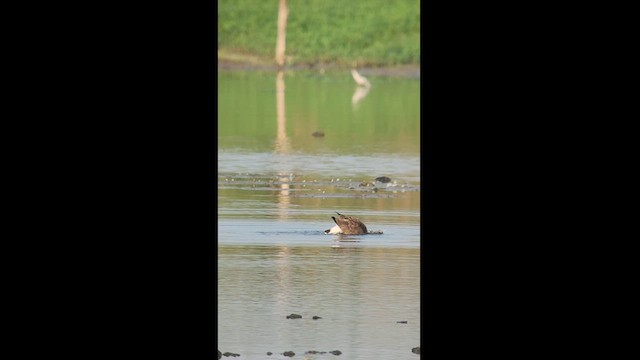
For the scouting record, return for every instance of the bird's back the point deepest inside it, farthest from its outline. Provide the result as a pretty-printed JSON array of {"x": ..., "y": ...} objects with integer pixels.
[{"x": 350, "y": 225}]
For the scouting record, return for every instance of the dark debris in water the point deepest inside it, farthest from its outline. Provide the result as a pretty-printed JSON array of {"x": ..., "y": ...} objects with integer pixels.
[
  {"x": 305, "y": 184},
  {"x": 294, "y": 316},
  {"x": 416, "y": 350},
  {"x": 334, "y": 352},
  {"x": 342, "y": 195},
  {"x": 315, "y": 317},
  {"x": 288, "y": 353},
  {"x": 402, "y": 322},
  {"x": 230, "y": 354}
]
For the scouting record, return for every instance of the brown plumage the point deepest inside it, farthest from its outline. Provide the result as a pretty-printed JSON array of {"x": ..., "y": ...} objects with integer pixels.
[{"x": 350, "y": 225}]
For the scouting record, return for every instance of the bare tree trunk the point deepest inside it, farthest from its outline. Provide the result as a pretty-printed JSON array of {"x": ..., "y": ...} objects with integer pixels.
[{"x": 283, "y": 11}]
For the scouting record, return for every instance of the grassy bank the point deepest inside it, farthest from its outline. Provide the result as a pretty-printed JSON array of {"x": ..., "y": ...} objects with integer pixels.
[{"x": 342, "y": 33}]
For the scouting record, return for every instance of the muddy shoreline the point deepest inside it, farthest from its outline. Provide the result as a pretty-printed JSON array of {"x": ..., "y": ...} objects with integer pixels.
[{"x": 412, "y": 71}]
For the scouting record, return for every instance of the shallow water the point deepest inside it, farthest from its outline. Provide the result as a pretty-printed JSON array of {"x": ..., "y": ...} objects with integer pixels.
[
  {"x": 360, "y": 293},
  {"x": 278, "y": 187}
]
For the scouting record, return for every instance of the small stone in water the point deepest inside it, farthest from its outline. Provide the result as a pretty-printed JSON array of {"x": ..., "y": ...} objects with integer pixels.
[
  {"x": 402, "y": 322},
  {"x": 230, "y": 354},
  {"x": 289, "y": 353},
  {"x": 316, "y": 317},
  {"x": 269, "y": 353},
  {"x": 294, "y": 316},
  {"x": 416, "y": 350},
  {"x": 336, "y": 352}
]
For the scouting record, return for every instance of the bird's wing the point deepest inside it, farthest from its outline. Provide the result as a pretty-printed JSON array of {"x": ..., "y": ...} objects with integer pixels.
[{"x": 349, "y": 224}]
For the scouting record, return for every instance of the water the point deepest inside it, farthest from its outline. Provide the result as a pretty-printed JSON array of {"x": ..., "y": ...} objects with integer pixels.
[
  {"x": 278, "y": 187},
  {"x": 359, "y": 292}
]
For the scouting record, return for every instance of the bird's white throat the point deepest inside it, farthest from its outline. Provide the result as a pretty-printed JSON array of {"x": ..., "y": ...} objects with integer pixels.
[{"x": 334, "y": 230}]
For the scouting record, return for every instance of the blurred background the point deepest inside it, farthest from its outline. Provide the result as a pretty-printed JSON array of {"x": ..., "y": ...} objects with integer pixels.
[{"x": 371, "y": 33}]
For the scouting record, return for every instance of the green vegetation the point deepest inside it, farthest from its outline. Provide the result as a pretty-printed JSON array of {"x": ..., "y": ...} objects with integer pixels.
[{"x": 369, "y": 32}]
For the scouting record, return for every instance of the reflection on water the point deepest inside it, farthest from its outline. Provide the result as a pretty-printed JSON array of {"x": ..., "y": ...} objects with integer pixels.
[
  {"x": 360, "y": 294},
  {"x": 278, "y": 187},
  {"x": 282, "y": 146},
  {"x": 282, "y": 142},
  {"x": 386, "y": 122},
  {"x": 359, "y": 94}
]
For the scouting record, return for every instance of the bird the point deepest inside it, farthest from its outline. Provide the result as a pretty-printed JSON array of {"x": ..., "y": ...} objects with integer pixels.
[
  {"x": 359, "y": 79},
  {"x": 334, "y": 230},
  {"x": 347, "y": 225}
]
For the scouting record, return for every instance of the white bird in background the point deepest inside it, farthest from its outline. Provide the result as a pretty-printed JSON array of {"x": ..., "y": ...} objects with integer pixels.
[{"x": 360, "y": 80}]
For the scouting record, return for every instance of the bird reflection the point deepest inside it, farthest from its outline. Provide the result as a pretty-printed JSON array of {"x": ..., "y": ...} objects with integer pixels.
[{"x": 359, "y": 94}]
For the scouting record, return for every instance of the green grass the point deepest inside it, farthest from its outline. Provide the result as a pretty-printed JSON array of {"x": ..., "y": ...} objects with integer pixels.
[{"x": 369, "y": 32}]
